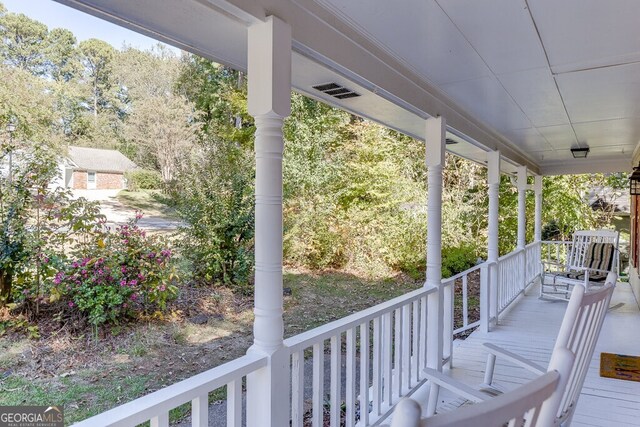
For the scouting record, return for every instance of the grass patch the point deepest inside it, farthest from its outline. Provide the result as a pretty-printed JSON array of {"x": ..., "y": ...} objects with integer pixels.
[
  {"x": 150, "y": 202},
  {"x": 317, "y": 299},
  {"x": 80, "y": 398}
]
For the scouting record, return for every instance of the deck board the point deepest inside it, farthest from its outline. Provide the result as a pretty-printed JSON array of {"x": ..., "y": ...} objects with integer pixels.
[{"x": 529, "y": 328}]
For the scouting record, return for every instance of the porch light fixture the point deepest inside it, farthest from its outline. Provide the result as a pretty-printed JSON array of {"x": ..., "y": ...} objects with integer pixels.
[
  {"x": 634, "y": 181},
  {"x": 580, "y": 153}
]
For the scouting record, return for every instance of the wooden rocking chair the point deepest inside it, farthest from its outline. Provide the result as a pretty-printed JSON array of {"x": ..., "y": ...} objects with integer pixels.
[
  {"x": 578, "y": 335},
  {"x": 592, "y": 255}
]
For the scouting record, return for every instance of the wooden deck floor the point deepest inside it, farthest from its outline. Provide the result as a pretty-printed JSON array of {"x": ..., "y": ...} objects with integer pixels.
[{"x": 530, "y": 328}]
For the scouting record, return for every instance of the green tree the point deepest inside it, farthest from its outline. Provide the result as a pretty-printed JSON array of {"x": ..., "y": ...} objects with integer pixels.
[
  {"x": 28, "y": 177},
  {"x": 147, "y": 74},
  {"x": 164, "y": 130},
  {"x": 23, "y": 98},
  {"x": 62, "y": 55},
  {"x": 215, "y": 193},
  {"x": 161, "y": 124},
  {"x": 220, "y": 94},
  {"x": 97, "y": 58},
  {"x": 24, "y": 41}
]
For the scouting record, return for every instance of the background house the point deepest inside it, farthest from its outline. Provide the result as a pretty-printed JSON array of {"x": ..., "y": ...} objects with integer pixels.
[{"x": 95, "y": 168}]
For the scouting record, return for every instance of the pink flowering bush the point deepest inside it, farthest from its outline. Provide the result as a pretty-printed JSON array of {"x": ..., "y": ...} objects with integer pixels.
[{"x": 118, "y": 274}]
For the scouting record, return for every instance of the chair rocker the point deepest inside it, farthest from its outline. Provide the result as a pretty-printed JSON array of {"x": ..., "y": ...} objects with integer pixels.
[
  {"x": 593, "y": 254},
  {"x": 578, "y": 335}
]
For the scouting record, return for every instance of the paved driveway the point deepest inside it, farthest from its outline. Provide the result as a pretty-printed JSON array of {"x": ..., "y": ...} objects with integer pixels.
[{"x": 117, "y": 213}]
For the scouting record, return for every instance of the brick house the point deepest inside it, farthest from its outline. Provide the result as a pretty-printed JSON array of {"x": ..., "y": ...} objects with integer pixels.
[{"x": 95, "y": 168}]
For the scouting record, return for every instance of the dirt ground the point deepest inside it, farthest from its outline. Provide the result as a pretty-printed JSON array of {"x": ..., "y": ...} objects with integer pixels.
[{"x": 90, "y": 371}]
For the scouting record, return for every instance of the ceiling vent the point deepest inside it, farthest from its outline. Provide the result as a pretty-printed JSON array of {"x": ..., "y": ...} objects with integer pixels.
[{"x": 335, "y": 90}]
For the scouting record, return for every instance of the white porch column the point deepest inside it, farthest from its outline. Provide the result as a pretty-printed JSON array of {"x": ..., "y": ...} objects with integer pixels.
[
  {"x": 269, "y": 80},
  {"x": 537, "y": 187},
  {"x": 435, "y": 150},
  {"x": 522, "y": 206},
  {"x": 493, "y": 165}
]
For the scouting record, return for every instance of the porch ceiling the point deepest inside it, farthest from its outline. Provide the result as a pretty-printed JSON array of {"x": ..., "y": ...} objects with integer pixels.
[{"x": 531, "y": 78}]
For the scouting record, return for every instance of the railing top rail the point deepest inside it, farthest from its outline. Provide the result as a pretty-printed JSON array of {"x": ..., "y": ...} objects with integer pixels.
[
  {"x": 321, "y": 333},
  {"x": 143, "y": 409},
  {"x": 531, "y": 245},
  {"x": 557, "y": 242},
  {"x": 447, "y": 280},
  {"x": 511, "y": 254}
]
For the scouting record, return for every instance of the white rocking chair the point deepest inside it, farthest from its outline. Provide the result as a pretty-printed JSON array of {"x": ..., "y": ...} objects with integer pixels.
[
  {"x": 578, "y": 335},
  {"x": 530, "y": 405},
  {"x": 592, "y": 255}
]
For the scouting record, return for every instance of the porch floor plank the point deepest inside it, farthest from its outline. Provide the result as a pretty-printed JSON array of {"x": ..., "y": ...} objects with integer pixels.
[{"x": 529, "y": 328}]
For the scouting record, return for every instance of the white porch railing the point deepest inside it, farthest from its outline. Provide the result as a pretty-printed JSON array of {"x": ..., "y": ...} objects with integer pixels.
[
  {"x": 384, "y": 348},
  {"x": 532, "y": 260},
  {"x": 516, "y": 271},
  {"x": 373, "y": 358},
  {"x": 459, "y": 301},
  {"x": 510, "y": 278},
  {"x": 155, "y": 406}
]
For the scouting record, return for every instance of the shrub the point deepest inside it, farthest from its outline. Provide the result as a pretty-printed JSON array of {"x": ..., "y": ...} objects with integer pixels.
[
  {"x": 126, "y": 273},
  {"x": 216, "y": 203},
  {"x": 405, "y": 242},
  {"x": 143, "y": 179},
  {"x": 313, "y": 237},
  {"x": 457, "y": 259}
]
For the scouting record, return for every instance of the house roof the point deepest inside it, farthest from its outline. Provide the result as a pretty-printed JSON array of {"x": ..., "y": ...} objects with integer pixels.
[
  {"x": 606, "y": 197},
  {"x": 99, "y": 160}
]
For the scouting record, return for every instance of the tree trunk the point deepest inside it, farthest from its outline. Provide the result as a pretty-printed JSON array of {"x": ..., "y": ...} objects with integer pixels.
[
  {"x": 95, "y": 99},
  {"x": 6, "y": 279}
]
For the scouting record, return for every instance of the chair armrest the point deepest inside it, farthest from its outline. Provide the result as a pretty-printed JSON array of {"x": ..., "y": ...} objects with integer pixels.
[
  {"x": 515, "y": 359},
  {"x": 557, "y": 264},
  {"x": 455, "y": 386}
]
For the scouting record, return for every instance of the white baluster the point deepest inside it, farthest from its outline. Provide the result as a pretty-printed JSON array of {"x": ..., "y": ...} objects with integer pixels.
[
  {"x": 318, "y": 384},
  {"x": 397, "y": 356},
  {"x": 415, "y": 352},
  {"x": 423, "y": 332},
  {"x": 465, "y": 301},
  {"x": 350, "y": 397},
  {"x": 297, "y": 387},
  {"x": 387, "y": 360},
  {"x": 161, "y": 420},
  {"x": 377, "y": 366},
  {"x": 364, "y": 374},
  {"x": 234, "y": 403},
  {"x": 406, "y": 348},
  {"x": 336, "y": 369},
  {"x": 200, "y": 411}
]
